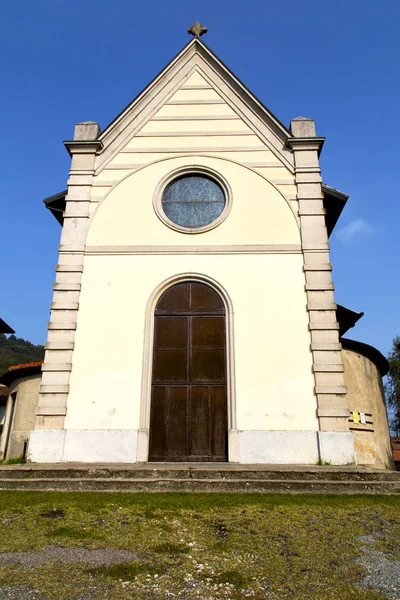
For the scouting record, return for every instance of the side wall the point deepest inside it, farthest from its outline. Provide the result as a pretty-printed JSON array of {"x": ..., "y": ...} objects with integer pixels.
[
  {"x": 365, "y": 395},
  {"x": 27, "y": 390}
]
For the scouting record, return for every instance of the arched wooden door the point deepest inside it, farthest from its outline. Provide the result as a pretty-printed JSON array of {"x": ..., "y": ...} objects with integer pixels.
[{"x": 188, "y": 420}]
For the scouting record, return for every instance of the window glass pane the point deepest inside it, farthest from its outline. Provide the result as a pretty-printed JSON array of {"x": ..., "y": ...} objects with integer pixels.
[{"x": 193, "y": 201}]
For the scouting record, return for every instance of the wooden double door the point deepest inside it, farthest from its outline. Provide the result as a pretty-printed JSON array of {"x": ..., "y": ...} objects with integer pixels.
[{"x": 188, "y": 420}]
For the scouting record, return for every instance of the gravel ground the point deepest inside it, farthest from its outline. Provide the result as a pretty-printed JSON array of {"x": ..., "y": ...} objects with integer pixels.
[
  {"x": 20, "y": 592},
  {"x": 98, "y": 558},
  {"x": 383, "y": 573},
  {"x": 27, "y": 592}
]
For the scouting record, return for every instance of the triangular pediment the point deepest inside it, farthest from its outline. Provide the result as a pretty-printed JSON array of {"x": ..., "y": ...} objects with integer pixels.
[{"x": 199, "y": 102}]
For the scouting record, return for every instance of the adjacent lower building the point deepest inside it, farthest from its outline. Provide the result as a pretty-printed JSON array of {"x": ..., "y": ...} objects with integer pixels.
[{"x": 23, "y": 382}]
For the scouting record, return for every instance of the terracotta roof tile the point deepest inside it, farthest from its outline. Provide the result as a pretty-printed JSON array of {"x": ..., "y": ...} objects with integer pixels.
[{"x": 26, "y": 365}]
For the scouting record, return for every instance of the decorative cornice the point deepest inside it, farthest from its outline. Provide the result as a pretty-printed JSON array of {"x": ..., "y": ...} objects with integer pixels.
[
  {"x": 215, "y": 249},
  {"x": 83, "y": 146},
  {"x": 305, "y": 143}
]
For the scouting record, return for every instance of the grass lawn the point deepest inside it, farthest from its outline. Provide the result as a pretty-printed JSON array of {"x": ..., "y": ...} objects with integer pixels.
[{"x": 205, "y": 546}]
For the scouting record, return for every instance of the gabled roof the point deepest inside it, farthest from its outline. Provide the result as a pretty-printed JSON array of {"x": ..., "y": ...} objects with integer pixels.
[{"x": 195, "y": 56}]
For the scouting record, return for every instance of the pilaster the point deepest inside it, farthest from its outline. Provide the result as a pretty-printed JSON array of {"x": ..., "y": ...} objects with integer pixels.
[
  {"x": 328, "y": 368},
  {"x": 53, "y": 393}
]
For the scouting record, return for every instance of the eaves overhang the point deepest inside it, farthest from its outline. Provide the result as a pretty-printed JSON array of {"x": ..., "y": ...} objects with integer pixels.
[
  {"x": 4, "y": 328},
  {"x": 334, "y": 202},
  {"x": 346, "y": 318},
  {"x": 56, "y": 205}
]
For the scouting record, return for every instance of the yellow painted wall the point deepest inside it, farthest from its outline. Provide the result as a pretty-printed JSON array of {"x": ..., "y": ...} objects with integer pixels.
[
  {"x": 273, "y": 363},
  {"x": 274, "y": 381},
  {"x": 259, "y": 214}
]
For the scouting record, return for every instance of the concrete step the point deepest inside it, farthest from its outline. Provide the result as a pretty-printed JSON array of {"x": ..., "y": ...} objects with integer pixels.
[
  {"x": 181, "y": 472},
  {"x": 299, "y": 486}
]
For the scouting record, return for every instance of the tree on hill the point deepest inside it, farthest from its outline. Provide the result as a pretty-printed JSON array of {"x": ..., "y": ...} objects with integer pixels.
[
  {"x": 392, "y": 387},
  {"x": 14, "y": 351}
]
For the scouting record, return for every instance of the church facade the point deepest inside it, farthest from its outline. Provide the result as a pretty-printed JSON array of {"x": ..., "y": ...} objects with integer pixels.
[{"x": 193, "y": 316}]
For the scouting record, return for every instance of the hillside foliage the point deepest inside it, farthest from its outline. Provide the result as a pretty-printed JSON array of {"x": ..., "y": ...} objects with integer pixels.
[{"x": 14, "y": 351}]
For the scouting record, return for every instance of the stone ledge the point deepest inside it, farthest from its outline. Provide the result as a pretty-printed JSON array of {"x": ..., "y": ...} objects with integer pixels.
[
  {"x": 320, "y": 267},
  {"x": 325, "y": 346},
  {"x": 59, "y": 345},
  {"x": 328, "y": 368},
  {"x": 72, "y": 215},
  {"x": 69, "y": 268},
  {"x": 319, "y": 287},
  {"x": 51, "y": 411},
  {"x": 67, "y": 287},
  {"x": 322, "y": 306},
  {"x": 61, "y": 325},
  {"x": 78, "y": 248},
  {"x": 323, "y": 326},
  {"x": 54, "y": 389},
  {"x": 315, "y": 246},
  {"x": 333, "y": 412},
  {"x": 56, "y": 366},
  {"x": 64, "y": 305},
  {"x": 311, "y": 212},
  {"x": 331, "y": 389}
]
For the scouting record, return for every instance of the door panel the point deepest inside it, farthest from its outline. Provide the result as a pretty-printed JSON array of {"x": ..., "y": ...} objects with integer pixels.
[
  {"x": 208, "y": 332},
  {"x": 171, "y": 332},
  {"x": 204, "y": 299},
  {"x": 177, "y": 297},
  {"x": 177, "y": 422},
  {"x": 157, "y": 419},
  {"x": 199, "y": 420},
  {"x": 219, "y": 421},
  {"x": 188, "y": 408},
  {"x": 170, "y": 366},
  {"x": 208, "y": 366}
]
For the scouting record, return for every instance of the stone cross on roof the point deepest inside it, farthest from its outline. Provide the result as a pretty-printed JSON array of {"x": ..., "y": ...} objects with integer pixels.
[{"x": 197, "y": 29}]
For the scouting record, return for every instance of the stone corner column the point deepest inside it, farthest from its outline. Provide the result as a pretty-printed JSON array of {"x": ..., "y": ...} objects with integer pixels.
[
  {"x": 336, "y": 444},
  {"x": 56, "y": 369}
]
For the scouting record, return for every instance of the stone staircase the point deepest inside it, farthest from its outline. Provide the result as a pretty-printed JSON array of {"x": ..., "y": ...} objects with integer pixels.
[{"x": 212, "y": 477}]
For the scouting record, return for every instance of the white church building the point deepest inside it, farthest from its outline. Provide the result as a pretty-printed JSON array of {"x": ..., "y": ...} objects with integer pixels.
[{"x": 193, "y": 316}]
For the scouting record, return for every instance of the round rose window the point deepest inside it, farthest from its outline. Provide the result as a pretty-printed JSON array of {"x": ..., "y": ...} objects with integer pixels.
[{"x": 193, "y": 201}]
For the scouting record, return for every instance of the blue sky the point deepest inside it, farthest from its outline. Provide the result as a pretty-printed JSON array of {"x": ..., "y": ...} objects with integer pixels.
[{"x": 336, "y": 61}]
